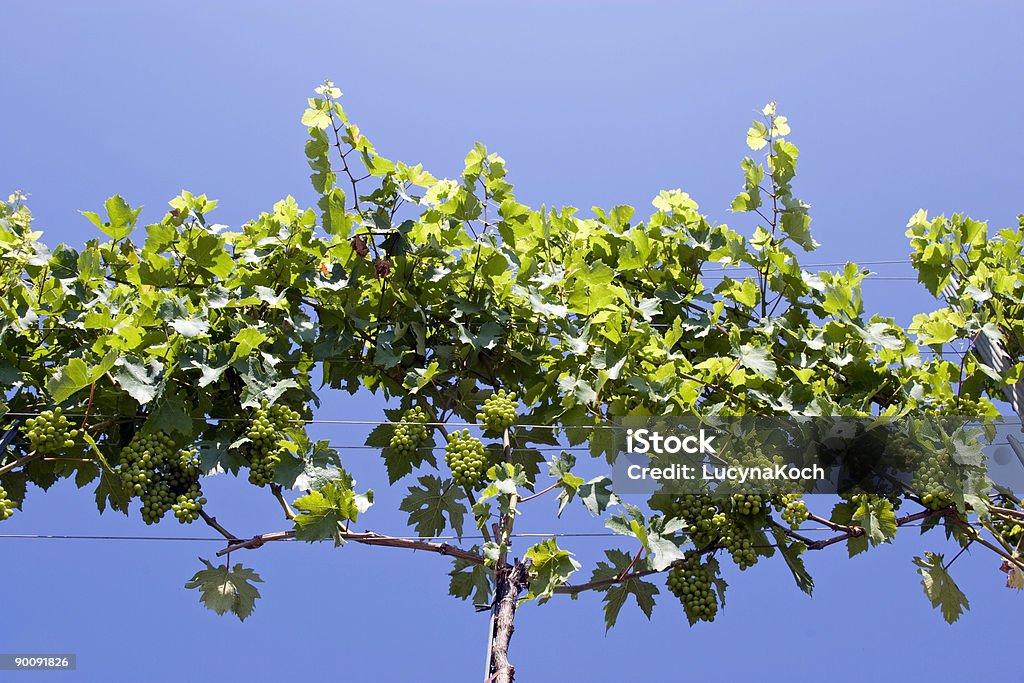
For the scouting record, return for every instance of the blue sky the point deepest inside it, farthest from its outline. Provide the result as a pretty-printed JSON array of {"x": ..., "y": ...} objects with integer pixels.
[{"x": 894, "y": 106}]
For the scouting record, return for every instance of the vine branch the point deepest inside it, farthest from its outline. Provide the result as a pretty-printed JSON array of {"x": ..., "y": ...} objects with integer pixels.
[{"x": 366, "y": 538}]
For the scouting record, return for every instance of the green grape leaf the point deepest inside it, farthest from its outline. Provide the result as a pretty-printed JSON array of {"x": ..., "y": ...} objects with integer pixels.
[
  {"x": 791, "y": 554},
  {"x": 400, "y": 464},
  {"x": 615, "y": 594},
  {"x": 77, "y": 375},
  {"x": 122, "y": 218},
  {"x": 940, "y": 588},
  {"x": 324, "y": 510},
  {"x": 170, "y": 414},
  {"x": 141, "y": 381},
  {"x": 470, "y": 579},
  {"x": 757, "y": 359},
  {"x": 560, "y": 467},
  {"x": 877, "y": 518},
  {"x": 110, "y": 490},
  {"x": 842, "y": 513},
  {"x": 550, "y": 567},
  {"x": 597, "y": 495},
  {"x": 246, "y": 341},
  {"x": 429, "y": 503},
  {"x": 227, "y": 590}
]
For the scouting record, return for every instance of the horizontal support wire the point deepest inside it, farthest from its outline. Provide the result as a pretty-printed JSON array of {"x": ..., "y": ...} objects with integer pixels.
[
  {"x": 452, "y": 537},
  {"x": 1008, "y": 419}
]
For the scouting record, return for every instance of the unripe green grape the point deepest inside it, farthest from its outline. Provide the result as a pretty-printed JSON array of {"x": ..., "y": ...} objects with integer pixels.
[
  {"x": 411, "y": 434},
  {"x": 50, "y": 432},
  {"x": 6, "y": 505},
  {"x": 466, "y": 457},
  {"x": 691, "y": 582},
  {"x": 794, "y": 511},
  {"x": 746, "y": 503},
  {"x": 163, "y": 477},
  {"x": 736, "y": 539},
  {"x": 498, "y": 411},
  {"x": 264, "y": 451},
  {"x": 1011, "y": 529}
]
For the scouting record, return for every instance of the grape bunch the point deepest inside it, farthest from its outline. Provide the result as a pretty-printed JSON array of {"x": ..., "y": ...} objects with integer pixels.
[
  {"x": 692, "y": 508},
  {"x": 697, "y": 511},
  {"x": 184, "y": 479},
  {"x": 961, "y": 407},
  {"x": 930, "y": 480},
  {"x": 746, "y": 503},
  {"x": 6, "y": 505},
  {"x": 466, "y": 457},
  {"x": 411, "y": 433},
  {"x": 735, "y": 538},
  {"x": 50, "y": 432},
  {"x": 1010, "y": 529},
  {"x": 162, "y": 477},
  {"x": 794, "y": 510},
  {"x": 690, "y": 581},
  {"x": 264, "y": 433},
  {"x": 498, "y": 411}
]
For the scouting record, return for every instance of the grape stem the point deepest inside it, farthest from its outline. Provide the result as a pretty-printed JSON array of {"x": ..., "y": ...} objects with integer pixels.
[
  {"x": 955, "y": 557},
  {"x": 792, "y": 534},
  {"x": 1006, "y": 512},
  {"x": 212, "y": 522},
  {"x": 632, "y": 563},
  {"x": 852, "y": 530},
  {"x": 538, "y": 495},
  {"x": 277, "y": 491},
  {"x": 19, "y": 462},
  {"x": 88, "y": 407}
]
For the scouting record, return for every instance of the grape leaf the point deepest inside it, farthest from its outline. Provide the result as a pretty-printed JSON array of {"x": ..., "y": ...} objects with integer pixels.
[
  {"x": 400, "y": 464},
  {"x": 616, "y": 594},
  {"x": 940, "y": 588},
  {"x": 227, "y": 590},
  {"x": 597, "y": 495},
  {"x": 470, "y": 578},
  {"x": 323, "y": 510},
  {"x": 791, "y": 554},
  {"x": 111, "y": 488},
  {"x": 877, "y": 518},
  {"x": 550, "y": 567},
  {"x": 428, "y": 504}
]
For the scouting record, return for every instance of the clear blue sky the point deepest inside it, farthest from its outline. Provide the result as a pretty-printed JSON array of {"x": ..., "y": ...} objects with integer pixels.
[{"x": 895, "y": 106}]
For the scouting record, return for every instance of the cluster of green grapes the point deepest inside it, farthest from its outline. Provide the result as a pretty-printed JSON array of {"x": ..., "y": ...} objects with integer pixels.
[
  {"x": 794, "y": 510},
  {"x": 1010, "y": 530},
  {"x": 930, "y": 480},
  {"x": 697, "y": 511},
  {"x": 736, "y": 539},
  {"x": 902, "y": 453},
  {"x": 186, "y": 476},
  {"x": 708, "y": 523},
  {"x": 50, "y": 432},
  {"x": 690, "y": 581},
  {"x": 264, "y": 434},
  {"x": 692, "y": 508},
  {"x": 747, "y": 503},
  {"x": 929, "y": 469},
  {"x": 498, "y": 411},
  {"x": 163, "y": 477},
  {"x": 412, "y": 433},
  {"x": 6, "y": 505},
  {"x": 466, "y": 457},
  {"x": 963, "y": 406}
]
